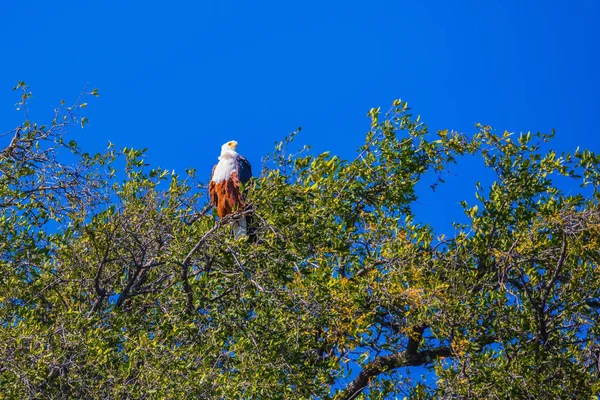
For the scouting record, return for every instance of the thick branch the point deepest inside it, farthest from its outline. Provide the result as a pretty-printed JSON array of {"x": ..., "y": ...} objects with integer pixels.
[
  {"x": 388, "y": 363},
  {"x": 125, "y": 293},
  {"x": 414, "y": 339}
]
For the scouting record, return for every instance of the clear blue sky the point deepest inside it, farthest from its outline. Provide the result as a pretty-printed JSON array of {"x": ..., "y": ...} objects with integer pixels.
[{"x": 183, "y": 77}]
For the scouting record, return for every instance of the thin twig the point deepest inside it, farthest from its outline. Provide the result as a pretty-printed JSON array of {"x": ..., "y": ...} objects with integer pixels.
[{"x": 244, "y": 271}]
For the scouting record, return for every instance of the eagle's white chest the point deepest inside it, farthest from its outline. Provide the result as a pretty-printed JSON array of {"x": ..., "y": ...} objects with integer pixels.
[{"x": 224, "y": 169}]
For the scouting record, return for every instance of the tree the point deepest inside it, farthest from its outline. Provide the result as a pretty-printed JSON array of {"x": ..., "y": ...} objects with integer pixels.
[{"x": 118, "y": 282}]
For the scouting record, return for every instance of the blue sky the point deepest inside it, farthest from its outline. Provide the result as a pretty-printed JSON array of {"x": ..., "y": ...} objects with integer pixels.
[{"x": 183, "y": 77}]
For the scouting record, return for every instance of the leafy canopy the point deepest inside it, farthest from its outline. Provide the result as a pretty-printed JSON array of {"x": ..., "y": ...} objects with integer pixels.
[{"x": 117, "y": 281}]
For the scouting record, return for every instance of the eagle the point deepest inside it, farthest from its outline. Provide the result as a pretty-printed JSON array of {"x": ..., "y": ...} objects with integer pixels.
[{"x": 226, "y": 186}]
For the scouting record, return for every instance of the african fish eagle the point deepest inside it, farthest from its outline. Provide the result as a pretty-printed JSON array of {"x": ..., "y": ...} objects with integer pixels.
[{"x": 224, "y": 188}]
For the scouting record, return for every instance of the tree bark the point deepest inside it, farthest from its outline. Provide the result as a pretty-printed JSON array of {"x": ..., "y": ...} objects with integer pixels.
[{"x": 408, "y": 358}]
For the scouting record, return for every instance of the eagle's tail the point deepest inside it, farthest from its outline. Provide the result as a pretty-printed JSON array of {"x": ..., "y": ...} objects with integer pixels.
[{"x": 240, "y": 227}]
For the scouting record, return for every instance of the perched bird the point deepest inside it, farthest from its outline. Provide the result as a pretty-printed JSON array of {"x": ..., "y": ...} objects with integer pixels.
[{"x": 226, "y": 186}]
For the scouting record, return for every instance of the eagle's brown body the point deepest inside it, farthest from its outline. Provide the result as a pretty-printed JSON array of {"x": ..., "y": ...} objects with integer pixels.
[{"x": 225, "y": 195}]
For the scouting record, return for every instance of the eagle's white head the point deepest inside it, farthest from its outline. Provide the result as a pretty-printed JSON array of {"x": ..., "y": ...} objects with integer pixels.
[
  {"x": 228, "y": 149},
  {"x": 231, "y": 145}
]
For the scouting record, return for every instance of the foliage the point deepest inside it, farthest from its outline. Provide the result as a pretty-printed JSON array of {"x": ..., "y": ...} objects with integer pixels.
[{"x": 117, "y": 281}]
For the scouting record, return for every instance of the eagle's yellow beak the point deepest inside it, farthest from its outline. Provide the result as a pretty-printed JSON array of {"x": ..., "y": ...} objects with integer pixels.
[{"x": 232, "y": 145}]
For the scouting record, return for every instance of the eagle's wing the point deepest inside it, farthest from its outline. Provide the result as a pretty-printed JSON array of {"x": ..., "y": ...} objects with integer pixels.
[{"x": 244, "y": 169}]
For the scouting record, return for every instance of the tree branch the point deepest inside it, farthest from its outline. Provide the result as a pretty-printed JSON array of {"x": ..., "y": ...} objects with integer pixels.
[
  {"x": 184, "y": 265},
  {"x": 196, "y": 217},
  {"x": 221, "y": 222},
  {"x": 187, "y": 289},
  {"x": 386, "y": 364}
]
